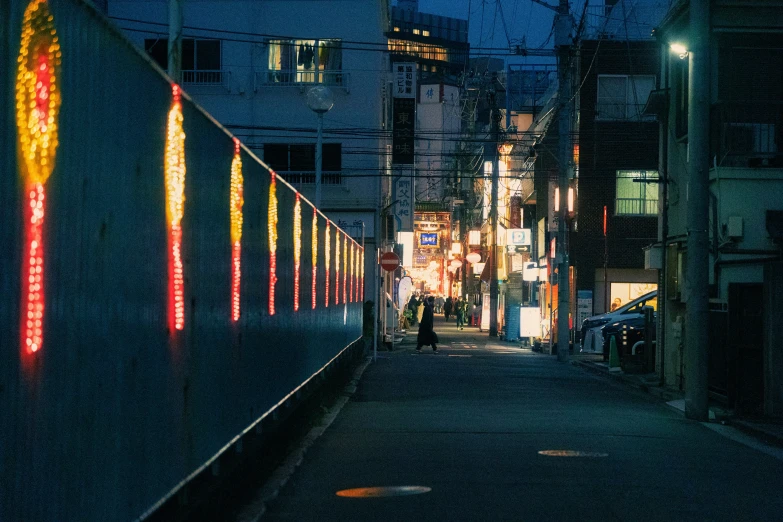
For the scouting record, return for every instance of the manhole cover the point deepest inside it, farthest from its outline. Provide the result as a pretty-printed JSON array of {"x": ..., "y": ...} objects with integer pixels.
[
  {"x": 389, "y": 491},
  {"x": 571, "y": 453}
]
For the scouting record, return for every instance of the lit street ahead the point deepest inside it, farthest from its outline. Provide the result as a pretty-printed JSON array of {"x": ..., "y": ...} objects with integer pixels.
[{"x": 472, "y": 422}]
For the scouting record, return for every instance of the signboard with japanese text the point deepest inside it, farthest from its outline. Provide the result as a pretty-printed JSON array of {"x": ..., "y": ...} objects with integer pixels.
[
  {"x": 403, "y": 128},
  {"x": 428, "y": 239},
  {"x": 405, "y": 80},
  {"x": 431, "y": 93},
  {"x": 402, "y": 195}
]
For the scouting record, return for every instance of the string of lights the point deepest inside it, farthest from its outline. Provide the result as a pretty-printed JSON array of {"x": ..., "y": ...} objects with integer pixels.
[{"x": 37, "y": 110}]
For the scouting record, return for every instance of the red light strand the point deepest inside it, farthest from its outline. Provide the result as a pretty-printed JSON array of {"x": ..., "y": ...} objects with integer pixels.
[
  {"x": 272, "y": 218},
  {"x": 314, "y": 246}
]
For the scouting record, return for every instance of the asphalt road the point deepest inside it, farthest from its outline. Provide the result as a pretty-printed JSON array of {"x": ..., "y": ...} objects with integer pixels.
[{"x": 469, "y": 424}]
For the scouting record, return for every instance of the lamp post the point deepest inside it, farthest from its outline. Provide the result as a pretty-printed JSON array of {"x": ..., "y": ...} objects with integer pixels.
[{"x": 320, "y": 101}]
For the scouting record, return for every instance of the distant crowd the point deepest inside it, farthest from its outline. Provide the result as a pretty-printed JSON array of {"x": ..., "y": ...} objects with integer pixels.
[{"x": 459, "y": 308}]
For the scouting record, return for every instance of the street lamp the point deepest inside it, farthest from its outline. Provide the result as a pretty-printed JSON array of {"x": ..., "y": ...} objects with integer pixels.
[
  {"x": 320, "y": 100},
  {"x": 680, "y": 50}
]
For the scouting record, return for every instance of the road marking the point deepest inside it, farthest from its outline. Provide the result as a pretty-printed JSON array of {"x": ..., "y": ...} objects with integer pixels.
[
  {"x": 389, "y": 491},
  {"x": 572, "y": 453}
]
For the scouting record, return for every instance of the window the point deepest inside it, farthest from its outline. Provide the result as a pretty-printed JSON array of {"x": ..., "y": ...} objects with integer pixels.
[
  {"x": 296, "y": 162},
  {"x": 305, "y": 61},
  {"x": 416, "y": 31},
  {"x": 419, "y": 50},
  {"x": 201, "y": 59},
  {"x": 635, "y": 197},
  {"x": 680, "y": 99},
  {"x": 396, "y": 29},
  {"x": 425, "y": 33},
  {"x": 623, "y": 97}
]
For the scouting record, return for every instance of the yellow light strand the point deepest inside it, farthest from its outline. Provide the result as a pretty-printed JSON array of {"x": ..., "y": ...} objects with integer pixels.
[
  {"x": 337, "y": 266},
  {"x": 297, "y": 248},
  {"x": 272, "y": 229},
  {"x": 37, "y": 113},
  {"x": 315, "y": 257},
  {"x": 236, "y": 203},
  {"x": 175, "y": 208},
  {"x": 345, "y": 268},
  {"x": 328, "y": 258}
]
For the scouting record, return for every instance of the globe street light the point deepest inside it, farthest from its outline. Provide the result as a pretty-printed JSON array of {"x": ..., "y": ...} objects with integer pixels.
[{"x": 320, "y": 100}]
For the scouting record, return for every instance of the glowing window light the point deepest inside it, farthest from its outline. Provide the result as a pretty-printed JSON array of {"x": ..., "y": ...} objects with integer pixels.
[
  {"x": 297, "y": 247},
  {"x": 175, "y": 198},
  {"x": 272, "y": 224},
  {"x": 328, "y": 256},
  {"x": 37, "y": 110},
  {"x": 235, "y": 207},
  {"x": 315, "y": 255},
  {"x": 337, "y": 266},
  {"x": 345, "y": 268}
]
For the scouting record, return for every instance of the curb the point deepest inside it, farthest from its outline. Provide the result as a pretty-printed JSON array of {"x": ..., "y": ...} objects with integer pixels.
[
  {"x": 255, "y": 511},
  {"x": 661, "y": 393}
]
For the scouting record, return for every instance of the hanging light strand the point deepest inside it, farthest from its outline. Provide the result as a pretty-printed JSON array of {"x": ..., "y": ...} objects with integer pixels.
[
  {"x": 272, "y": 233},
  {"x": 37, "y": 110},
  {"x": 235, "y": 205},
  {"x": 175, "y": 196},
  {"x": 297, "y": 248},
  {"x": 314, "y": 247},
  {"x": 328, "y": 258}
]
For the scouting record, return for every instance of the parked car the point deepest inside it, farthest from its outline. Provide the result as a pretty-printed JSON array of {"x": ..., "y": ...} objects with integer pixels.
[
  {"x": 628, "y": 330},
  {"x": 590, "y": 341}
]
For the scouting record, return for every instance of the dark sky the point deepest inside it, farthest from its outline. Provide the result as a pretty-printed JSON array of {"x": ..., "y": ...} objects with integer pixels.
[{"x": 523, "y": 19}]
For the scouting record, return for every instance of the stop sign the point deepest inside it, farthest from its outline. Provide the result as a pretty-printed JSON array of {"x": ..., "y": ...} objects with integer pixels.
[{"x": 390, "y": 261}]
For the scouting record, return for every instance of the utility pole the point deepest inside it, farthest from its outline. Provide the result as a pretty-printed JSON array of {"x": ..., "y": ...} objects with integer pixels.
[
  {"x": 491, "y": 152},
  {"x": 175, "y": 40},
  {"x": 563, "y": 42},
  {"x": 697, "y": 306}
]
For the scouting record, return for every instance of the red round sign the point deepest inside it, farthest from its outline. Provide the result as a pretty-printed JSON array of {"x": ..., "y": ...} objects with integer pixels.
[{"x": 390, "y": 261}]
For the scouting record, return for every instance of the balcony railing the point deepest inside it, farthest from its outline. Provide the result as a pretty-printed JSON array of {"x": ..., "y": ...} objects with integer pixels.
[
  {"x": 307, "y": 177},
  {"x": 747, "y": 134},
  {"x": 304, "y": 78},
  {"x": 210, "y": 78}
]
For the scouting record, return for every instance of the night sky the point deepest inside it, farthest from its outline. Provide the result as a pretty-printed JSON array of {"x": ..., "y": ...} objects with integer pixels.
[{"x": 524, "y": 18}]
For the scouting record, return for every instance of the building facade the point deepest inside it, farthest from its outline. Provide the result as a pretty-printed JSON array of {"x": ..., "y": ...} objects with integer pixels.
[{"x": 745, "y": 93}]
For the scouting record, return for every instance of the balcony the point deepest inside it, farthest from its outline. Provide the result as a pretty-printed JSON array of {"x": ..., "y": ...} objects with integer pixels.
[
  {"x": 303, "y": 78},
  {"x": 308, "y": 177},
  {"x": 747, "y": 134},
  {"x": 207, "y": 78}
]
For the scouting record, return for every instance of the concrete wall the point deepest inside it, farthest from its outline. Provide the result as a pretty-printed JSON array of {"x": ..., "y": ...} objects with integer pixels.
[{"x": 115, "y": 410}]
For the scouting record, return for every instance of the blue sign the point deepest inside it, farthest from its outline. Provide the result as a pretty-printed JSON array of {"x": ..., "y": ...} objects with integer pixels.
[{"x": 429, "y": 239}]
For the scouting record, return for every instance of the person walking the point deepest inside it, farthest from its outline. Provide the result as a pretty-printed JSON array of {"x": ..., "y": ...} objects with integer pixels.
[
  {"x": 427, "y": 335},
  {"x": 460, "y": 313},
  {"x": 447, "y": 307},
  {"x": 413, "y": 306}
]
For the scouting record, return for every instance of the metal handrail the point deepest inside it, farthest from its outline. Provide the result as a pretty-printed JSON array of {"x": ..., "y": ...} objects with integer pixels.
[
  {"x": 206, "y": 77},
  {"x": 303, "y": 78}
]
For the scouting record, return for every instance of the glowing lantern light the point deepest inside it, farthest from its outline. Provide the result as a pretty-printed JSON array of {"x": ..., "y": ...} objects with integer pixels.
[
  {"x": 328, "y": 259},
  {"x": 272, "y": 233},
  {"x": 37, "y": 111},
  {"x": 456, "y": 263},
  {"x": 236, "y": 202},
  {"x": 352, "y": 271},
  {"x": 315, "y": 255},
  {"x": 473, "y": 257},
  {"x": 337, "y": 267},
  {"x": 297, "y": 247},
  {"x": 175, "y": 208}
]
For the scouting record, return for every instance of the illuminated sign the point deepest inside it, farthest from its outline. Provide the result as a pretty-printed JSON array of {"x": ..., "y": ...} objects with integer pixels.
[{"x": 428, "y": 239}]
